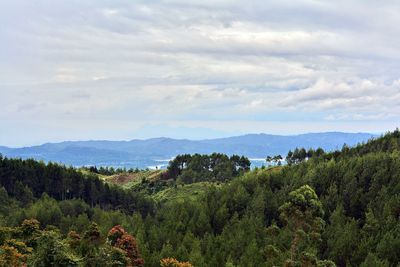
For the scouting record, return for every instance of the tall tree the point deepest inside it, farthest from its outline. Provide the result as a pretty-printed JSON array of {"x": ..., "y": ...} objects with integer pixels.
[{"x": 302, "y": 216}]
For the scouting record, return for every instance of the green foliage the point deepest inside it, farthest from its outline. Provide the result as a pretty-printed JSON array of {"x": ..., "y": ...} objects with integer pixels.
[
  {"x": 373, "y": 260},
  {"x": 302, "y": 218},
  {"x": 188, "y": 169},
  {"x": 9, "y": 256},
  {"x": 52, "y": 251},
  {"x": 325, "y": 209},
  {"x": 118, "y": 257},
  {"x": 29, "y": 179}
]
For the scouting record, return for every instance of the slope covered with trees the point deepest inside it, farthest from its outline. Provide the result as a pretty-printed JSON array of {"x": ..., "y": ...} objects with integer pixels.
[
  {"x": 340, "y": 208},
  {"x": 29, "y": 179}
]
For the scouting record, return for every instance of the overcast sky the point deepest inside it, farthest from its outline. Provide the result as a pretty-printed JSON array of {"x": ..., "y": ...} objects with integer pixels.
[{"x": 97, "y": 69}]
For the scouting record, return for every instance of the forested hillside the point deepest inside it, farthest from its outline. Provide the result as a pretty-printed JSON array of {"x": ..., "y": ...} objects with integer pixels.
[{"x": 340, "y": 208}]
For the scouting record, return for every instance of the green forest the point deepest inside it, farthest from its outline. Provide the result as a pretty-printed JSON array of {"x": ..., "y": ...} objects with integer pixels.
[{"x": 339, "y": 208}]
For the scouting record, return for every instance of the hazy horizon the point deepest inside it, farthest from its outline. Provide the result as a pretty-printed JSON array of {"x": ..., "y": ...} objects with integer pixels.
[{"x": 183, "y": 138}]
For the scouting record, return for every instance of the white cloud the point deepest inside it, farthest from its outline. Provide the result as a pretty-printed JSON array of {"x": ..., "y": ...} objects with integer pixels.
[{"x": 199, "y": 61}]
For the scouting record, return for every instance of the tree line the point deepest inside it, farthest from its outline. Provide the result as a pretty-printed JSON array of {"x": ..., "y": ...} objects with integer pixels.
[
  {"x": 110, "y": 170},
  {"x": 216, "y": 167}
]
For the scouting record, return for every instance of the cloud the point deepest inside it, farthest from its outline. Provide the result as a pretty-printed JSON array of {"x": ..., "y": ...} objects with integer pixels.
[{"x": 146, "y": 62}]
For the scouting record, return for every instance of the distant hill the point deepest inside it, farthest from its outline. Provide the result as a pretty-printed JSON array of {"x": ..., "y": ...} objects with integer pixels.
[{"x": 157, "y": 151}]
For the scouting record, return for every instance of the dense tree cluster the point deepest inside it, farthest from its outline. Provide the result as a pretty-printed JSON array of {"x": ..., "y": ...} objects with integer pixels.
[
  {"x": 215, "y": 167},
  {"x": 27, "y": 244},
  {"x": 28, "y": 179},
  {"x": 301, "y": 154},
  {"x": 340, "y": 208}
]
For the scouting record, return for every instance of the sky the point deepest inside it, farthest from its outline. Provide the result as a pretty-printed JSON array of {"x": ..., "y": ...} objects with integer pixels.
[{"x": 119, "y": 70}]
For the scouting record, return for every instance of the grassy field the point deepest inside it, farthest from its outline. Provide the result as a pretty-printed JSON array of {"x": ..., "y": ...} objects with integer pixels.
[
  {"x": 171, "y": 193},
  {"x": 101, "y": 176},
  {"x": 128, "y": 180},
  {"x": 183, "y": 192}
]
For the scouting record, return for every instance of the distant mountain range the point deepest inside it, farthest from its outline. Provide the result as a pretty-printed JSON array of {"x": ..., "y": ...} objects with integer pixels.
[{"x": 156, "y": 151}]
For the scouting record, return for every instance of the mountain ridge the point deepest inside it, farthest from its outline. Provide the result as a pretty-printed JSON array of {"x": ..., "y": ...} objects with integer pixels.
[{"x": 144, "y": 152}]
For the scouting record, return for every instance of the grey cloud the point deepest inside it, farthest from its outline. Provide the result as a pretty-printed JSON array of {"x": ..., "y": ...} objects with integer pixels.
[{"x": 192, "y": 60}]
